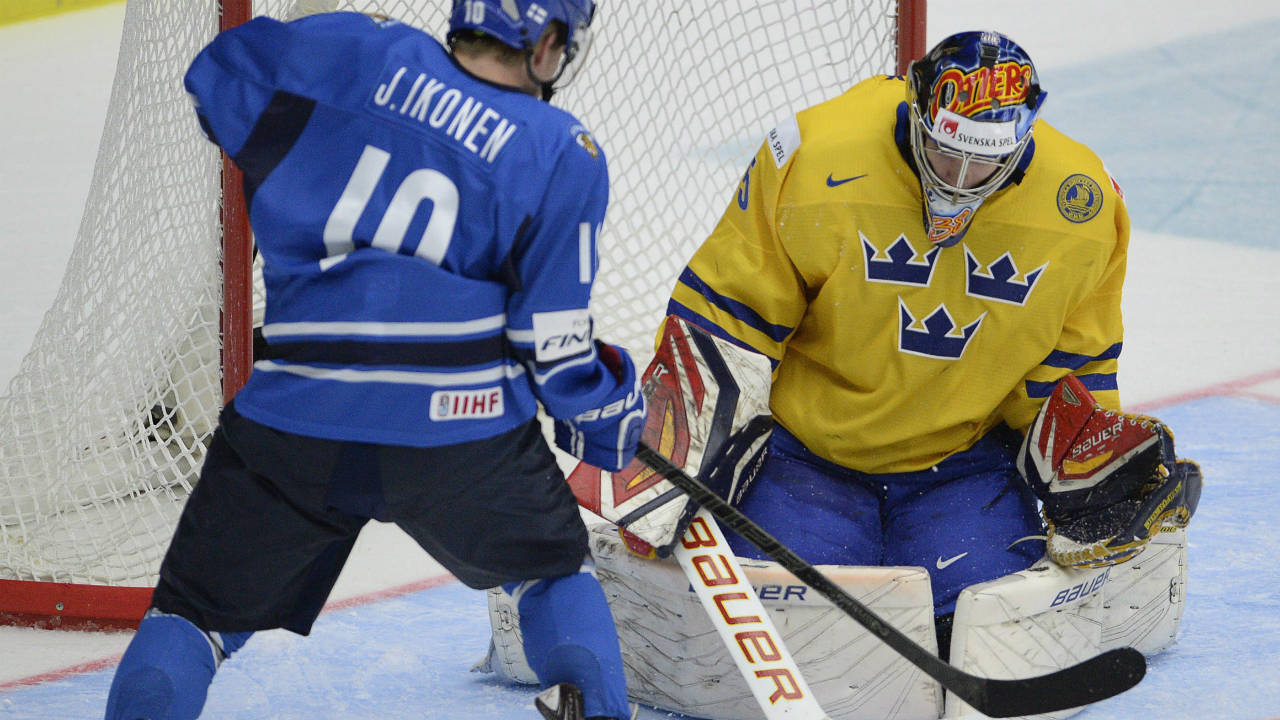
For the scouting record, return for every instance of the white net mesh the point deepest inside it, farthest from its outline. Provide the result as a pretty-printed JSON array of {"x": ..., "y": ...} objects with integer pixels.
[{"x": 104, "y": 427}]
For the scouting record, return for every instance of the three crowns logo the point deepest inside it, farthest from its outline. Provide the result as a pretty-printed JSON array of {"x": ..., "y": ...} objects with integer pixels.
[
  {"x": 997, "y": 282},
  {"x": 899, "y": 264},
  {"x": 938, "y": 336}
]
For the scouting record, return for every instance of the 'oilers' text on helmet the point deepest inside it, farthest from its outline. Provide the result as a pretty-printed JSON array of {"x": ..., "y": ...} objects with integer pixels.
[
  {"x": 519, "y": 24},
  {"x": 973, "y": 100}
]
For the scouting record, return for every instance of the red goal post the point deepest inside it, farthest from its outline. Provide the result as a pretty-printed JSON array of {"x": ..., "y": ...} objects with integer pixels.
[{"x": 103, "y": 431}]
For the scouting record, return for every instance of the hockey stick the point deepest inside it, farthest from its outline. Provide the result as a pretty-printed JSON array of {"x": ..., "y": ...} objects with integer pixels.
[
  {"x": 1097, "y": 678},
  {"x": 771, "y": 673}
]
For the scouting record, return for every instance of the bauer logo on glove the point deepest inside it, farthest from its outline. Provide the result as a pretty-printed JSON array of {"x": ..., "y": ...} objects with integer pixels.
[{"x": 1109, "y": 481}]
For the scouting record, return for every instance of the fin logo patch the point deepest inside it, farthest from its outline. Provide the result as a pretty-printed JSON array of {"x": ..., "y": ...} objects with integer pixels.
[{"x": 585, "y": 141}]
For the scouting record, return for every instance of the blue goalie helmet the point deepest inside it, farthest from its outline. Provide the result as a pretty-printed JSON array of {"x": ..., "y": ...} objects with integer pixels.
[
  {"x": 519, "y": 24},
  {"x": 973, "y": 101}
]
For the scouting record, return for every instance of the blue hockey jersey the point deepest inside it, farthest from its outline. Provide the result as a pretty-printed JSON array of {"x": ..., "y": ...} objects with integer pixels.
[{"x": 428, "y": 237}]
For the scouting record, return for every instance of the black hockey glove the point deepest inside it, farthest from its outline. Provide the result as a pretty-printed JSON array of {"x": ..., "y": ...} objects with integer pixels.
[{"x": 1109, "y": 481}]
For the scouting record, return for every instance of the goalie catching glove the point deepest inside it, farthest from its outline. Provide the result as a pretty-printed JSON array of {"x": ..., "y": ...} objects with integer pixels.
[
  {"x": 1109, "y": 481},
  {"x": 607, "y": 436}
]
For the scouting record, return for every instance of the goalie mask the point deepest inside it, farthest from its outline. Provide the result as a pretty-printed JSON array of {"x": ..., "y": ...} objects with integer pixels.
[
  {"x": 973, "y": 100},
  {"x": 519, "y": 24}
]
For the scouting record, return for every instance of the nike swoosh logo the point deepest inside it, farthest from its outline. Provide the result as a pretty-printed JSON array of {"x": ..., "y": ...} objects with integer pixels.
[
  {"x": 832, "y": 182},
  {"x": 942, "y": 564}
]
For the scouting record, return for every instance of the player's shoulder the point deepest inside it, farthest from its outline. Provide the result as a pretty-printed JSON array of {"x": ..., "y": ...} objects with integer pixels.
[
  {"x": 871, "y": 101},
  {"x": 326, "y": 57},
  {"x": 1074, "y": 174},
  {"x": 330, "y": 30},
  {"x": 563, "y": 139},
  {"x": 1055, "y": 146},
  {"x": 863, "y": 113}
]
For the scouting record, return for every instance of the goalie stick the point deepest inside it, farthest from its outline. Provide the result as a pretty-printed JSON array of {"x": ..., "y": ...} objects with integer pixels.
[{"x": 1097, "y": 678}]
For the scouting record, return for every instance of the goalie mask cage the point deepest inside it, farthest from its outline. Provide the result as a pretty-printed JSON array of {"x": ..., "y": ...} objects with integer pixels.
[{"x": 104, "y": 428}]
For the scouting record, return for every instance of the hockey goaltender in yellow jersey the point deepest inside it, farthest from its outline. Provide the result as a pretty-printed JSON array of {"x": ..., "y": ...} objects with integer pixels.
[
  {"x": 896, "y": 355},
  {"x": 891, "y": 351}
]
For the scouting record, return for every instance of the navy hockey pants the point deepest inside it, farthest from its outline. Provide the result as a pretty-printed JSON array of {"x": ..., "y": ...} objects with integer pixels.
[{"x": 960, "y": 520}]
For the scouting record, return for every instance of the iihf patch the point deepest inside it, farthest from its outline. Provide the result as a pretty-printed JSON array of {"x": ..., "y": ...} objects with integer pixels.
[
  {"x": 1079, "y": 198},
  {"x": 466, "y": 404}
]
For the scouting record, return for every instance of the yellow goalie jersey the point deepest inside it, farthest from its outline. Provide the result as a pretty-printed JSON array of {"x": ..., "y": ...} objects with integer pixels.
[{"x": 890, "y": 354}]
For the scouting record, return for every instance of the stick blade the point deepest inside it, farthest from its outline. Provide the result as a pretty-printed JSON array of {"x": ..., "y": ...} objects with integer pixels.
[{"x": 1097, "y": 678}]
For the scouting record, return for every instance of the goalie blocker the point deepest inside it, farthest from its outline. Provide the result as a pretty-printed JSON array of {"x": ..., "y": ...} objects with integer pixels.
[{"x": 708, "y": 403}]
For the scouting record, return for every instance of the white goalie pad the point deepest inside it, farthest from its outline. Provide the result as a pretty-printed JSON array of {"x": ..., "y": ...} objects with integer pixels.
[
  {"x": 1049, "y": 617},
  {"x": 676, "y": 661},
  {"x": 1026, "y": 624},
  {"x": 1144, "y": 598},
  {"x": 505, "y": 656},
  {"x": 708, "y": 413}
]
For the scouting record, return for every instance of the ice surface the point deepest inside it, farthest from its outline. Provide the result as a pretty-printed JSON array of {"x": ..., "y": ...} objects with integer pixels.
[{"x": 1178, "y": 96}]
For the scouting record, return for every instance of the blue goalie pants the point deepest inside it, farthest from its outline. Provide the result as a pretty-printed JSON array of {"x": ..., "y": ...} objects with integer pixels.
[{"x": 966, "y": 520}]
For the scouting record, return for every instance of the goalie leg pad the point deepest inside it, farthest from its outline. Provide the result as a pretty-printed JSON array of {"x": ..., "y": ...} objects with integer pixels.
[
  {"x": 505, "y": 656},
  {"x": 1144, "y": 600},
  {"x": 1029, "y": 623},
  {"x": 676, "y": 660}
]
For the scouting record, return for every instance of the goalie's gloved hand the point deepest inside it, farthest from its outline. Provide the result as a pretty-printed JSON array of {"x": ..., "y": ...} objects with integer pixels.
[
  {"x": 607, "y": 436},
  {"x": 1109, "y": 481}
]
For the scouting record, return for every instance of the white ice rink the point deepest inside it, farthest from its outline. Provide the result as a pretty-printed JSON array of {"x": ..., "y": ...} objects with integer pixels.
[{"x": 1180, "y": 97}]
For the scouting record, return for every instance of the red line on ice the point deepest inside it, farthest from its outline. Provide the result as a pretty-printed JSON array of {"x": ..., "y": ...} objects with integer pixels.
[
  {"x": 113, "y": 660},
  {"x": 1231, "y": 388}
]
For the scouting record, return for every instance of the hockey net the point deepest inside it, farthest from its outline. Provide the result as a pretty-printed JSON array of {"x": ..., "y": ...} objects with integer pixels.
[{"x": 104, "y": 428}]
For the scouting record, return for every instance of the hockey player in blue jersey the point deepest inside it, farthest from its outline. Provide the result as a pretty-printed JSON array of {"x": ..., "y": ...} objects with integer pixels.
[{"x": 428, "y": 228}]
